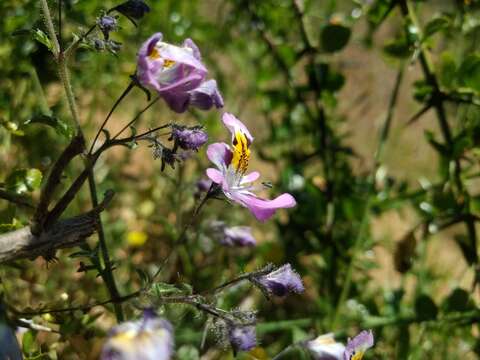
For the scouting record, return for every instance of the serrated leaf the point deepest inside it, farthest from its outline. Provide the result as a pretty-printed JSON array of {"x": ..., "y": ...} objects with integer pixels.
[
  {"x": 24, "y": 180},
  {"x": 43, "y": 38},
  {"x": 60, "y": 127}
]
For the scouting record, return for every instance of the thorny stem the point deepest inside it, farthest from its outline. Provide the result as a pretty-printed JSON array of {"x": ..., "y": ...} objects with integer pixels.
[
  {"x": 358, "y": 242},
  {"x": 65, "y": 78}
]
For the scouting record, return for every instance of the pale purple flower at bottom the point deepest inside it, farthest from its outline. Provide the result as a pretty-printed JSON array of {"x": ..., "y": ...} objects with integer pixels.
[
  {"x": 324, "y": 347},
  {"x": 357, "y": 346},
  {"x": 150, "y": 338},
  {"x": 281, "y": 281},
  {"x": 242, "y": 338}
]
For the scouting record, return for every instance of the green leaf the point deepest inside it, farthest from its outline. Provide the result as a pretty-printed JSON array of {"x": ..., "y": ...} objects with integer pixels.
[
  {"x": 435, "y": 25},
  {"x": 28, "y": 342},
  {"x": 60, "y": 127},
  {"x": 458, "y": 300},
  {"x": 42, "y": 38},
  {"x": 397, "y": 48},
  {"x": 162, "y": 289},
  {"x": 469, "y": 72},
  {"x": 425, "y": 308},
  {"x": 24, "y": 180},
  {"x": 334, "y": 37}
]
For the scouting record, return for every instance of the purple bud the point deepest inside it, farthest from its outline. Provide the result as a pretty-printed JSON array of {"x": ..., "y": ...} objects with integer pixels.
[
  {"x": 242, "y": 338},
  {"x": 189, "y": 139},
  {"x": 358, "y": 345},
  {"x": 238, "y": 236},
  {"x": 107, "y": 23},
  {"x": 135, "y": 9},
  {"x": 282, "y": 281}
]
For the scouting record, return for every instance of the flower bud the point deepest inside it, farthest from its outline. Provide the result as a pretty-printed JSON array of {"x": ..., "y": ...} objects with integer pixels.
[
  {"x": 242, "y": 338},
  {"x": 189, "y": 139},
  {"x": 281, "y": 281},
  {"x": 106, "y": 24}
]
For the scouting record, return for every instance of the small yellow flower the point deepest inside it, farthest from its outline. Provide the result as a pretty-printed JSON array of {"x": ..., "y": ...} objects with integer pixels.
[{"x": 136, "y": 238}]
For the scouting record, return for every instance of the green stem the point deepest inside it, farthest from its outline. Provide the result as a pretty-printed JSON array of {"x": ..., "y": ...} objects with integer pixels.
[
  {"x": 107, "y": 273},
  {"x": 65, "y": 79}
]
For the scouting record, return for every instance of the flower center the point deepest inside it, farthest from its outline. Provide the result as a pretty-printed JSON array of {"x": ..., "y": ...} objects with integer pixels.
[
  {"x": 155, "y": 55},
  {"x": 241, "y": 152}
]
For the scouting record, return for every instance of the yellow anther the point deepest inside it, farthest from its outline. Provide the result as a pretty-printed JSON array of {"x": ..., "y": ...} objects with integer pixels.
[
  {"x": 241, "y": 152},
  {"x": 168, "y": 63},
  {"x": 154, "y": 54},
  {"x": 357, "y": 356}
]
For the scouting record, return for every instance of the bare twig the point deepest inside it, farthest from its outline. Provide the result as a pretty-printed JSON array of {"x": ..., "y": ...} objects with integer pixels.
[{"x": 63, "y": 234}]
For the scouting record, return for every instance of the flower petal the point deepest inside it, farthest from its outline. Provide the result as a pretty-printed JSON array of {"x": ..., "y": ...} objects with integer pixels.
[
  {"x": 264, "y": 209},
  {"x": 219, "y": 154},
  {"x": 215, "y": 175},
  {"x": 234, "y": 125},
  {"x": 181, "y": 55},
  {"x": 206, "y": 96},
  {"x": 188, "y": 43},
  {"x": 250, "y": 177}
]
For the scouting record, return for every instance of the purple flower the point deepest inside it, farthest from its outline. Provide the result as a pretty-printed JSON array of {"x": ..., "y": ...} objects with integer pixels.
[
  {"x": 242, "y": 338},
  {"x": 239, "y": 236},
  {"x": 177, "y": 74},
  {"x": 234, "y": 235},
  {"x": 281, "y": 281},
  {"x": 357, "y": 346},
  {"x": 232, "y": 164},
  {"x": 325, "y": 347},
  {"x": 189, "y": 139},
  {"x": 150, "y": 338}
]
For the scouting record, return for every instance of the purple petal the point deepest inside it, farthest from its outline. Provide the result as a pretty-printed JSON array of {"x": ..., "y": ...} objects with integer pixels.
[
  {"x": 206, "y": 96},
  {"x": 215, "y": 175},
  {"x": 264, "y": 209},
  {"x": 219, "y": 154},
  {"x": 250, "y": 177},
  {"x": 359, "y": 344},
  {"x": 183, "y": 56},
  {"x": 234, "y": 125},
  {"x": 196, "y": 51},
  {"x": 178, "y": 102}
]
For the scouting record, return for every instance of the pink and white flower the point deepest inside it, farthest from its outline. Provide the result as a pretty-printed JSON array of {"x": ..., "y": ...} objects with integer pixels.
[{"x": 230, "y": 174}]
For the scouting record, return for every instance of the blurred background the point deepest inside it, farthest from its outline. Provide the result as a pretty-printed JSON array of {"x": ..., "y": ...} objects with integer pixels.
[{"x": 366, "y": 111}]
